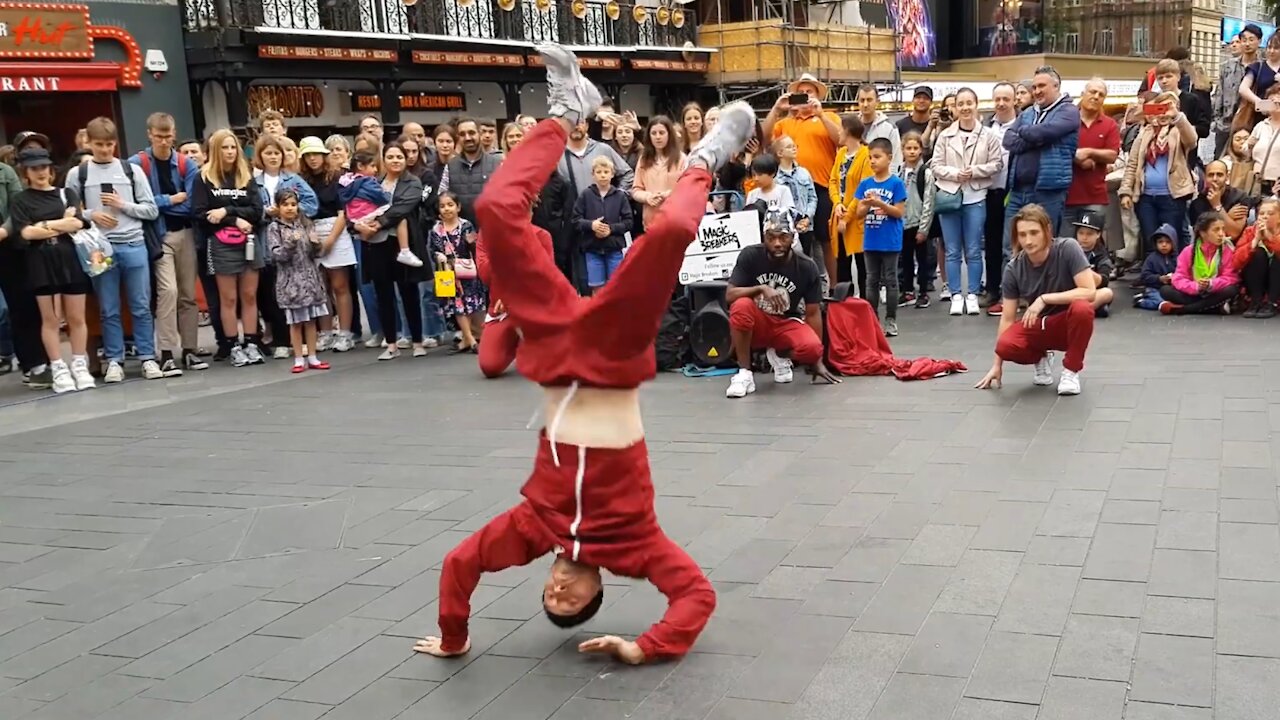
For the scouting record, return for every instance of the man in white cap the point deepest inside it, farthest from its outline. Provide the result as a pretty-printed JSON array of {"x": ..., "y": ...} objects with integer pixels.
[{"x": 816, "y": 133}]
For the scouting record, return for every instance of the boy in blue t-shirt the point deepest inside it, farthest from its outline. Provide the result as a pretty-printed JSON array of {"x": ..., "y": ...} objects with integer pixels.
[{"x": 882, "y": 203}]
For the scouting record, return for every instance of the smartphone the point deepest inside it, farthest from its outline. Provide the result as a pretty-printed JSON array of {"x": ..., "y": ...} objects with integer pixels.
[
  {"x": 797, "y": 99},
  {"x": 107, "y": 188},
  {"x": 1150, "y": 109}
]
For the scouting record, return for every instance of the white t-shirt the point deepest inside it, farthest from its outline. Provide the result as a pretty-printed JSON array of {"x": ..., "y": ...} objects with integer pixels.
[
  {"x": 779, "y": 200},
  {"x": 270, "y": 183},
  {"x": 1265, "y": 133}
]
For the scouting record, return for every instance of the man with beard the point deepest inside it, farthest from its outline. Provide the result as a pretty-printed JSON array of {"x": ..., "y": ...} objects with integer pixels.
[
  {"x": 878, "y": 125},
  {"x": 590, "y": 498},
  {"x": 1098, "y": 144},
  {"x": 471, "y": 169},
  {"x": 1220, "y": 197},
  {"x": 775, "y": 304},
  {"x": 921, "y": 119},
  {"x": 1042, "y": 150}
]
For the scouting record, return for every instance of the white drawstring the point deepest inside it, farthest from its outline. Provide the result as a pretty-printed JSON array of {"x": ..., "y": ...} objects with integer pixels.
[
  {"x": 577, "y": 497},
  {"x": 555, "y": 422}
]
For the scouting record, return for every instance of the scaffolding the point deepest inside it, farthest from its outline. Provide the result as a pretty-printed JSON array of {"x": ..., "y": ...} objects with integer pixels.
[{"x": 765, "y": 44}]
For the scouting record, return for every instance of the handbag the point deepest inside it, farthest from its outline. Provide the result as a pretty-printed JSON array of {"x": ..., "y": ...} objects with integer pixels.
[
  {"x": 945, "y": 202},
  {"x": 446, "y": 282},
  {"x": 230, "y": 235},
  {"x": 464, "y": 269},
  {"x": 95, "y": 251}
]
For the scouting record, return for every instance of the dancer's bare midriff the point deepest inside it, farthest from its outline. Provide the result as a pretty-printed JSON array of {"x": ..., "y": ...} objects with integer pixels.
[{"x": 594, "y": 417}]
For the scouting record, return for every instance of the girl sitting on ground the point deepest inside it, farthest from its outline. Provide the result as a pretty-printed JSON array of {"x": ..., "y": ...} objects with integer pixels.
[{"x": 1205, "y": 281}]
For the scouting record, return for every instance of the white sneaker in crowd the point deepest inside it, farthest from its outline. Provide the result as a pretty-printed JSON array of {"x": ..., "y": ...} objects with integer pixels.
[
  {"x": 344, "y": 342},
  {"x": 783, "y": 368},
  {"x": 374, "y": 342},
  {"x": 957, "y": 304},
  {"x": 281, "y": 353},
  {"x": 325, "y": 342},
  {"x": 1044, "y": 370},
  {"x": 1069, "y": 384},
  {"x": 946, "y": 292},
  {"x": 114, "y": 373},
  {"x": 151, "y": 370},
  {"x": 253, "y": 354},
  {"x": 406, "y": 257},
  {"x": 80, "y": 375},
  {"x": 238, "y": 356},
  {"x": 971, "y": 305},
  {"x": 62, "y": 380},
  {"x": 404, "y": 343},
  {"x": 430, "y": 342},
  {"x": 742, "y": 384}
]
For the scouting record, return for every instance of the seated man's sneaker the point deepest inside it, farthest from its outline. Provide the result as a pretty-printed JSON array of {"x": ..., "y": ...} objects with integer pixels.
[
  {"x": 1069, "y": 384},
  {"x": 782, "y": 367},
  {"x": 569, "y": 95},
  {"x": 742, "y": 385},
  {"x": 730, "y": 135},
  {"x": 1044, "y": 371}
]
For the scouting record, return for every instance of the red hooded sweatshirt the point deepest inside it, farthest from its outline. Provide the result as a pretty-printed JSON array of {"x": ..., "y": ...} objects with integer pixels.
[
  {"x": 486, "y": 274},
  {"x": 596, "y": 508}
]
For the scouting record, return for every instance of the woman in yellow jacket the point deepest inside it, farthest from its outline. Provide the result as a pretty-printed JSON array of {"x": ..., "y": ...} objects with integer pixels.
[{"x": 851, "y": 167}]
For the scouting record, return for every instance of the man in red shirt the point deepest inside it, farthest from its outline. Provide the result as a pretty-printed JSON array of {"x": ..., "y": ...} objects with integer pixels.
[
  {"x": 1098, "y": 148},
  {"x": 589, "y": 500}
]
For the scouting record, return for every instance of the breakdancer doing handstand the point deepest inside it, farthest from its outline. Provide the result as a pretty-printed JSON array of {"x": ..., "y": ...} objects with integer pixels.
[{"x": 590, "y": 497}]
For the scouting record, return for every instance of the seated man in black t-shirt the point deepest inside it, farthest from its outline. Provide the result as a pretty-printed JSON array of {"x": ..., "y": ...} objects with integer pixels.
[
  {"x": 774, "y": 299},
  {"x": 1220, "y": 197}
]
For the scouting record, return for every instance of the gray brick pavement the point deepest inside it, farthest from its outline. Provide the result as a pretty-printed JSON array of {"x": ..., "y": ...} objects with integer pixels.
[{"x": 247, "y": 544}]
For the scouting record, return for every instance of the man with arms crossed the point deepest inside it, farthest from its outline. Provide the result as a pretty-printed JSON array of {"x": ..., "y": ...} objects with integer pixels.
[
  {"x": 1054, "y": 278},
  {"x": 590, "y": 498}
]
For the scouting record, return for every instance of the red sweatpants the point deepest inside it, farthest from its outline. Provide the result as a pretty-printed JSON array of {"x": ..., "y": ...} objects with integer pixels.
[
  {"x": 498, "y": 350},
  {"x": 604, "y": 340},
  {"x": 1069, "y": 331},
  {"x": 791, "y": 336}
]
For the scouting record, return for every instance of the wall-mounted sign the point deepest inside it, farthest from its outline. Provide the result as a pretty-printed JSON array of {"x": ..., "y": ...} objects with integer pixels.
[
  {"x": 585, "y": 62},
  {"x": 32, "y": 30},
  {"x": 435, "y": 57},
  {"x": 676, "y": 65},
  {"x": 292, "y": 101},
  {"x": 45, "y": 77},
  {"x": 445, "y": 101},
  {"x": 298, "y": 52}
]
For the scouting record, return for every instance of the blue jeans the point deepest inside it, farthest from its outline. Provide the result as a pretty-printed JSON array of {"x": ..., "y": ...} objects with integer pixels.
[
  {"x": 962, "y": 235},
  {"x": 6, "y": 332},
  {"x": 133, "y": 268},
  {"x": 432, "y": 315},
  {"x": 1053, "y": 202},
  {"x": 1156, "y": 210}
]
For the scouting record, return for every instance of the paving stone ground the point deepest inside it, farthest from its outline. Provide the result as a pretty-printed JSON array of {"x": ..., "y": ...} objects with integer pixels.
[{"x": 246, "y": 544}]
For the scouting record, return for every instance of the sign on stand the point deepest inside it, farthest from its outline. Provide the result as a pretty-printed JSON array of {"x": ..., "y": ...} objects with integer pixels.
[{"x": 721, "y": 236}]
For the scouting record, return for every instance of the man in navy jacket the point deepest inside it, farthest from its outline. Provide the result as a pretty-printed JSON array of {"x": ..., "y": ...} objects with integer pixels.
[{"x": 1042, "y": 147}]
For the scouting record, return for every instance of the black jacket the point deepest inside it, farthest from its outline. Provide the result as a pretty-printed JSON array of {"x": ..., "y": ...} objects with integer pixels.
[
  {"x": 614, "y": 208},
  {"x": 406, "y": 201},
  {"x": 467, "y": 180}
]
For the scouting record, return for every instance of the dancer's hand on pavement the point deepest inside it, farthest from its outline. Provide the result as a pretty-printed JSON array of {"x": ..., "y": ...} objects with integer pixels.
[
  {"x": 432, "y": 645},
  {"x": 820, "y": 372},
  {"x": 624, "y": 650},
  {"x": 992, "y": 380}
]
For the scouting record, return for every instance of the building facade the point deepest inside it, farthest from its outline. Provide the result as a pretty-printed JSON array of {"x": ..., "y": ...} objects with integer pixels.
[
  {"x": 326, "y": 63},
  {"x": 63, "y": 64}
]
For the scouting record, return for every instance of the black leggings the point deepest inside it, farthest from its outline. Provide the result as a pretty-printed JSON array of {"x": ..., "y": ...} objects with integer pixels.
[
  {"x": 1262, "y": 277},
  {"x": 24, "y": 311},
  {"x": 387, "y": 277},
  {"x": 993, "y": 247},
  {"x": 269, "y": 307},
  {"x": 1193, "y": 304}
]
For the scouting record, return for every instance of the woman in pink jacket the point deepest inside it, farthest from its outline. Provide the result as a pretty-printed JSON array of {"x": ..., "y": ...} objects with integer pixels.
[
  {"x": 660, "y": 165},
  {"x": 1206, "y": 280}
]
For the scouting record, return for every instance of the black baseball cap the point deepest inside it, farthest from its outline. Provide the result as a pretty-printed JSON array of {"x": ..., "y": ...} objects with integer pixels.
[
  {"x": 1252, "y": 29},
  {"x": 1092, "y": 220},
  {"x": 34, "y": 157},
  {"x": 28, "y": 136},
  {"x": 924, "y": 90}
]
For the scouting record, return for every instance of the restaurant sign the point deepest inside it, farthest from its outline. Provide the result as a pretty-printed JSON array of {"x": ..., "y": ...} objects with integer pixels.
[
  {"x": 37, "y": 31},
  {"x": 444, "y": 101},
  {"x": 292, "y": 101},
  {"x": 298, "y": 52}
]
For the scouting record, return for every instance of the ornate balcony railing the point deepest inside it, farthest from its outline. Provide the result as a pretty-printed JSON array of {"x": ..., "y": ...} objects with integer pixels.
[{"x": 588, "y": 23}]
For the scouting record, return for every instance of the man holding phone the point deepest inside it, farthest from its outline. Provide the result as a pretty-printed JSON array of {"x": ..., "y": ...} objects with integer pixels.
[{"x": 118, "y": 200}]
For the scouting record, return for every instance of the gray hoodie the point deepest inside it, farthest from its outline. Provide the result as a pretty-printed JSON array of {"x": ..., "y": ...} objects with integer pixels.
[
  {"x": 580, "y": 167},
  {"x": 882, "y": 127}
]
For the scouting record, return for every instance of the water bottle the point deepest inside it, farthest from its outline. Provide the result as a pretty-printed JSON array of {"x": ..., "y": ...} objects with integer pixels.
[{"x": 248, "y": 247}]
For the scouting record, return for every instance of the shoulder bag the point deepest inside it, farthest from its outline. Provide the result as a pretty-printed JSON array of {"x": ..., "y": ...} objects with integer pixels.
[{"x": 945, "y": 202}]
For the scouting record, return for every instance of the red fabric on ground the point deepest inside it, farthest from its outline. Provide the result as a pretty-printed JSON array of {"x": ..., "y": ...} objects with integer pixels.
[{"x": 857, "y": 346}]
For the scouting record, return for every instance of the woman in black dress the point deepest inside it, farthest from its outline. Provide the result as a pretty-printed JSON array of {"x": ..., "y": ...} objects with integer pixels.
[
  {"x": 227, "y": 205},
  {"x": 45, "y": 217}
]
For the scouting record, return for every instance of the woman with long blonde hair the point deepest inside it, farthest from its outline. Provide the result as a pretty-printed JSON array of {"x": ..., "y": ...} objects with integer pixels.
[{"x": 227, "y": 207}]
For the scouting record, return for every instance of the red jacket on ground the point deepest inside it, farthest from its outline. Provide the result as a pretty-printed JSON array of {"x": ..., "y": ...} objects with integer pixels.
[
  {"x": 613, "y": 527},
  {"x": 857, "y": 346}
]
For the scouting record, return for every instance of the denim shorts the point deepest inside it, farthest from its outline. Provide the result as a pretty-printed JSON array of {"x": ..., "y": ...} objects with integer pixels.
[{"x": 601, "y": 267}]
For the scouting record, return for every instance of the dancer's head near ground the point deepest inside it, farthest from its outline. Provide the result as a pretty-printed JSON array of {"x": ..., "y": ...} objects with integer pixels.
[{"x": 573, "y": 593}]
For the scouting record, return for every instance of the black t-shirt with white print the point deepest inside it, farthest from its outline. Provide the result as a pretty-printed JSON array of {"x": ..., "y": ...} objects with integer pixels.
[{"x": 796, "y": 278}]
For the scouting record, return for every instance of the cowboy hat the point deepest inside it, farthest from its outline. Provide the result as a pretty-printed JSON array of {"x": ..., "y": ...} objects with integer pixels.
[{"x": 810, "y": 79}]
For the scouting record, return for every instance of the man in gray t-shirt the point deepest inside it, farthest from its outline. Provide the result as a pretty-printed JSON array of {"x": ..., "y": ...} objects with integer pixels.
[{"x": 1054, "y": 278}]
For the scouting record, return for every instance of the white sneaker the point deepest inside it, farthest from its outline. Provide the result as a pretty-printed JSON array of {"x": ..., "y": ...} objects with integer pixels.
[
  {"x": 406, "y": 257},
  {"x": 281, "y": 353},
  {"x": 404, "y": 343},
  {"x": 253, "y": 354},
  {"x": 1069, "y": 384},
  {"x": 1044, "y": 370},
  {"x": 391, "y": 353},
  {"x": 430, "y": 342},
  {"x": 344, "y": 343},
  {"x": 736, "y": 126},
  {"x": 62, "y": 380},
  {"x": 946, "y": 292},
  {"x": 325, "y": 342},
  {"x": 374, "y": 342},
  {"x": 957, "y": 304},
  {"x": 783, "y": 368},
  {"x": 80, "y": 375},
  {"x": 569, "y": 95},
  {"x": 151, "y": 370},
  {"x": 971, "y": 305},
  {"x": 114, "y": 373},
  {"x": 742, "y": 385},
  {"x": 238, "y": 356}
]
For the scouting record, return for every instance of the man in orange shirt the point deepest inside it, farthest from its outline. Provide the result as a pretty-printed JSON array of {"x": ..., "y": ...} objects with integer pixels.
[{"x": 816, "y": 133}]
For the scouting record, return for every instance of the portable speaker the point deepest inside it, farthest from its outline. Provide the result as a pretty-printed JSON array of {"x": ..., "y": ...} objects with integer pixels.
[{"x": 709, "y": 325}]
